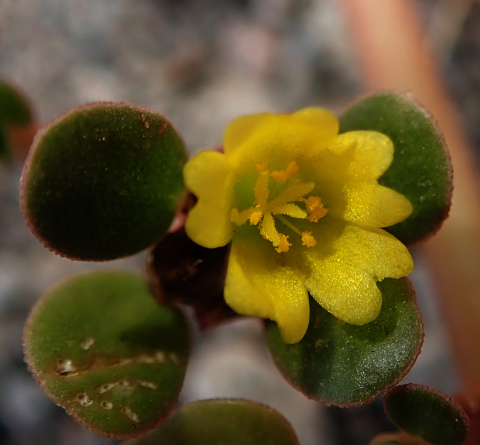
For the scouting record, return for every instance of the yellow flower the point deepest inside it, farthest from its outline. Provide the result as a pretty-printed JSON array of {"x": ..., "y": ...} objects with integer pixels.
[{"x": 304, "y": 210}]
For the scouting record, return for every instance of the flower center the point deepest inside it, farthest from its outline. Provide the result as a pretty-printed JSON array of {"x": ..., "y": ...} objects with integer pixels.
[{"x": 289, "y": 200}]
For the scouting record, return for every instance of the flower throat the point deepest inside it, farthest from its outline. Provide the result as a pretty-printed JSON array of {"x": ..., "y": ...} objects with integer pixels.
[{"x": 291, "y": 193}]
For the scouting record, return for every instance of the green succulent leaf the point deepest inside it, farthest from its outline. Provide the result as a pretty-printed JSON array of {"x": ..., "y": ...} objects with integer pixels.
[
  {"x": 232, "y": 422},
  {"x": 346, "y": 365},
  {"x": 14, "y": 107},
  {"x": 103, "y": 181},
  {"x": 105, "y": 351},
  {"x": 427, "y": 413},
  {"x": 421, "y": 168}
]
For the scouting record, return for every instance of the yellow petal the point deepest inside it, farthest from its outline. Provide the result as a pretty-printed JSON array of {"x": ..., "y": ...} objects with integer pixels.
[
  {"x": 319, "y": 118},
  {"x": 209, "y": 177},
  {"x": 342, "y": 270},
  {"x": 278, "y": 139},
  {"x": 354, "y": 157},
  {"x": 241, "y": 129},
  {"x": 372, "y": 205},
  {"x": 346, "y": 178},
  {"x": 257, "y": 284},
  {"x": 370, "y": 153}
]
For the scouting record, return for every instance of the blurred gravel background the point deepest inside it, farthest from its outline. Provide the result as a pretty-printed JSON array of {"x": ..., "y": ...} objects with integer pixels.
[{"x": 201, "y": 63}]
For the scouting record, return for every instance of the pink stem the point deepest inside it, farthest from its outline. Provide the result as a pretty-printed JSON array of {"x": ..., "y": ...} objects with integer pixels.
[{"x": 392, "y": 54}]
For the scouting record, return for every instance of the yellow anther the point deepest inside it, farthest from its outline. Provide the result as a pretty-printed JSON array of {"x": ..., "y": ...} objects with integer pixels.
[
  {"x": 262, "y": 167},
  {"x": 279, "y": 175},
  {"x": 315, "y": 208},
  {"x": 284, "y": 244},
  {"x": 317, "y": 214},
  {"x": 308, "y": 239},
  {"x": 283, "y": 175},
  {"x": 292, "y": 168},
  {"x": 313, "y": 202},
  {"x": 255, "y": 217}
]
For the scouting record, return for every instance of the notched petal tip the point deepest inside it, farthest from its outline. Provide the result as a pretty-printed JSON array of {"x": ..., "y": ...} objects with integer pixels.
[
  {"x": 209, "y": 177},
  {"x": 371, "y": 152},
  {"x": 256, "y": 285},
  {"x": 343, "y": 277}
]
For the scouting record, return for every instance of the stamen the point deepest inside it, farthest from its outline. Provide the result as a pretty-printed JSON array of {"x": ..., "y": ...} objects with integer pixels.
[
  {"x": 262, "y": 167},
  {"x": 317, "y": 214},
  {"x": 283, "y": 175},
  {"x": 290, "y": 210},
  {"x": 284, "y": 204},
  {"x": 261, "y": 189},
  {"x": 292, "y": 168},
  {"x": 289, "y": 224},
  {"x": 293, "y": 192},
  {"x": 268, "y": 229},
  {"x": 279, "y": 176},
  {"x": 308, "y": 239},
  {"x": 255, "y": 217},
  {"x": 315, "y": 208},
  {"x": 284, "y": 244},
  {"x": 312, "y": 202},
  {"x": 240, "y": 218}
]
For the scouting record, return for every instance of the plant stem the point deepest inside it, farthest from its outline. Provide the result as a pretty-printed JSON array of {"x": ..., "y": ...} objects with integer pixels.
[{"x": 392, "y": 54}]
